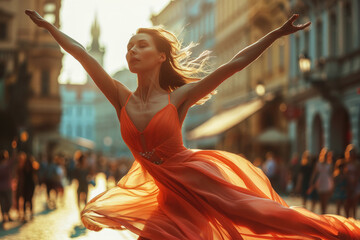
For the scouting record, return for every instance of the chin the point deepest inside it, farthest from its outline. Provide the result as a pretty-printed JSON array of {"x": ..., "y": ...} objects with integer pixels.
[{"x": 133, "y": 69}]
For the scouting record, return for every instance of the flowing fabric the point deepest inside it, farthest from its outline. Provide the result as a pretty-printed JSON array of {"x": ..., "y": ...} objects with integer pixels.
[{"x": 199, "y": 194}]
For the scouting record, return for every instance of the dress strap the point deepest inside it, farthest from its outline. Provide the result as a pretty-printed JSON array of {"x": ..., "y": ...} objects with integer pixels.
[
  {"x": 128, "y": 98},
  {"x": 169, "y": 98}
]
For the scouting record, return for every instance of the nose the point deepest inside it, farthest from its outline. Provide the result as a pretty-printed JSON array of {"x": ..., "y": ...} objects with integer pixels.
[{"x": 132, "y": 50}]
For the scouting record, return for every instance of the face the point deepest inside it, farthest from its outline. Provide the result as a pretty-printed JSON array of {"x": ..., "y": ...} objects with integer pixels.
[{"x": 142, "y": 54}]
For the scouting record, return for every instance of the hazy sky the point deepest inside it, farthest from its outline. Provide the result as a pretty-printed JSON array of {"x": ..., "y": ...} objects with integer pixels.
[{"x": 118, "y": 20}]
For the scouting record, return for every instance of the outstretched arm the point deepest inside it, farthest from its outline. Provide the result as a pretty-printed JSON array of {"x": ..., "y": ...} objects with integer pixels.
[
  {"x": 110, "y": 87},
  {"x": 193, "y": 92}
]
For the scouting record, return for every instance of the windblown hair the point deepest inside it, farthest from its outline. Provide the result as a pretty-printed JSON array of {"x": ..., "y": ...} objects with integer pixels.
[{"x": 178, "y": 69}]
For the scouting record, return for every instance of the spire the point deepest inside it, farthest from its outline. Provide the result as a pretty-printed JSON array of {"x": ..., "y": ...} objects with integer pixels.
[{"x": 95, "y": 33}]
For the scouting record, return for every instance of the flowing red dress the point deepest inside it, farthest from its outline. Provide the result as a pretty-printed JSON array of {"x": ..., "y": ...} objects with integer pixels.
[{"x": 172, "y": 192}]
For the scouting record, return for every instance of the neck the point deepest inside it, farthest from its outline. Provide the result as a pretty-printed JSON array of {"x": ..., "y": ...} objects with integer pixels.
[{"x": 148, "y": 86}]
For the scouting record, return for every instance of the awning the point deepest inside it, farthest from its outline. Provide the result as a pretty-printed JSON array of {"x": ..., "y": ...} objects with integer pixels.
[
  {"x": 272, "y": 136},
  {"x": 225, "y": 120},
  {"x": 83, "y": 142}
]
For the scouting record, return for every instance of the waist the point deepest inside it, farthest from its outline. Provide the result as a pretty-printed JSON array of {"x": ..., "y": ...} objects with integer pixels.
[{"x": 160, "y": 156}]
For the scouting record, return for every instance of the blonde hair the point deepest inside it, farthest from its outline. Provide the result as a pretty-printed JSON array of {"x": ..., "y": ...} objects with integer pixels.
[{"x": 178, "y": 68}]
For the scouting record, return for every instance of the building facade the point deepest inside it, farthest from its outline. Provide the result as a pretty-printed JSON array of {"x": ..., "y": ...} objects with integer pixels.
[
  {"x": 328, "y": 94},
  {"x": 243, "y": 119},
  {"x": 30, "y": 63}
]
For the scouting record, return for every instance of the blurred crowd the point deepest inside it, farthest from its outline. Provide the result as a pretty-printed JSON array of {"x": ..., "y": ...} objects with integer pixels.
[
  {"x": 317, "y": 179},
  {"x": 22, "y": 176}
]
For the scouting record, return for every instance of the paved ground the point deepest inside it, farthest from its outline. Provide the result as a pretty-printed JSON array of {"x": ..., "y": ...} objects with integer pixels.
[
  {"x": 64, "y": 222},
  {"x": 61, "y": 223}
]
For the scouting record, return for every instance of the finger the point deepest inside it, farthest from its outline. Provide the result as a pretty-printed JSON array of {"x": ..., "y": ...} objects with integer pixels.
[
  {"x": 28, "y": 12},
  {"x": 293, "y": 18},
  {"x": 303, "y": 26}
]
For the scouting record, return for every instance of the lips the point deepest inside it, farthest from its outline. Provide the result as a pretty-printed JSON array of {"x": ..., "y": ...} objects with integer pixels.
[{"x": 134, "y": 60}]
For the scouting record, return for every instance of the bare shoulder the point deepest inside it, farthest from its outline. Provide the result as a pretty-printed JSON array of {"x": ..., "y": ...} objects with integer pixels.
[
  {"x": 179, "y": 95},
  {"x": 123, "y": 92}
]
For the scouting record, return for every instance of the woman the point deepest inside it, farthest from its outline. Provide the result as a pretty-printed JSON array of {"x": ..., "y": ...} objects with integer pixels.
[
  {"x": 172, "y": 192},
  {"x": 324, "y": 180},
  {"x": 353, "y": 181}
]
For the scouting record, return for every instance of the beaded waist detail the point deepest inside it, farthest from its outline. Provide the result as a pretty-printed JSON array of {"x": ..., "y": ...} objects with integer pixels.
[{"x": 150, "y": 155}]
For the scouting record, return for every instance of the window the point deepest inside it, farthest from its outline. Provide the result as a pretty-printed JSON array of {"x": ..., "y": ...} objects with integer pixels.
[
  {"x": 319, "y": 40},
  {"x": 333, "y": 35},
  {"x": 69, "y": 130},
  {"x": 45, "y": 83},
  {"x": 306, "y": 41},
  {"x": 79, "y": 111},
  {"x": 88, "y": 132},
  {"x": 2, "y": 70},
  {"x": 348, "y": 28},
  {"x": 297, "y": 52},
  {"x": 3, "y": 31},
  {"x": 79, "y": 131}
]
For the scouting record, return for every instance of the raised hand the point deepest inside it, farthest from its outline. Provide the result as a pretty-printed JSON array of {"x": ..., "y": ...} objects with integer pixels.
[
  {"x": 289, "y": 27},
  {"x": 36, "y": 18}
]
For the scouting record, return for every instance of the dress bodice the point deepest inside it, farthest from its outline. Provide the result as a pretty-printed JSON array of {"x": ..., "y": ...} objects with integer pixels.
[{"x": 161, "y": 138}]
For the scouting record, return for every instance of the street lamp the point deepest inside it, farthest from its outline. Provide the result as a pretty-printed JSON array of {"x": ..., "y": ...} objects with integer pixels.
[
  {"x": 304, "y": 63},
  {"x": 260, "y": 89},
  {"x": 317, "y": 78}
]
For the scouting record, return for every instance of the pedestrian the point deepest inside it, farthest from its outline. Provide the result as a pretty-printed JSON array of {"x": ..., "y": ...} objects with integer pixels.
[
  {"x": 324, "y": 181},
  {"x": 294, "y": 169},
  {"x": 172, "y": 192},
  {"x": 61, "y": 173},
  {"x": 270, "y": 168},
  {"x": 26, "y": 181},
  {"x": 29, "y": 183},
  {"x": 52, "y": 182},
  {"x": 82, "y": 175},
  {"x": 303, "y": 180},
  {"x": 6, "y": 169},
  {"x": 340, "y": 183},
  {"x": 353, "y": 181}
]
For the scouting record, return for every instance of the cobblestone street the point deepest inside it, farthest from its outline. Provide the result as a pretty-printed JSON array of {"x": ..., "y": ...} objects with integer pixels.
[
  {"x": 64, "y": 222},
  {"x": 61, "y": 223}
]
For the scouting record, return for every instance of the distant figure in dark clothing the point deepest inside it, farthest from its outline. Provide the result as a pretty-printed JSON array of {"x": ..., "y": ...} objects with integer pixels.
[
  {"x": 6, "y": 166},
  {"x": 304, "y": 176},
  {"x": 82, "y": 175},
  {"x": 353, "y": 181},
  {"x": 26, "y": 184},
  {"x": 340, "y": 185},
  {"x": 52, "y": 181}
]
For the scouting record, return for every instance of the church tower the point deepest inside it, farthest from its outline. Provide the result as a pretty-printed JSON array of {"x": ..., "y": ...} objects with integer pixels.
[{"x": 94, "y": 49}]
